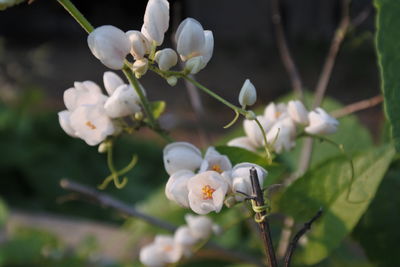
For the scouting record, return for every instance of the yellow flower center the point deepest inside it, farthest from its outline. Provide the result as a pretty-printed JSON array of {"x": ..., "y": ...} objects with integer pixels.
[
  {"x": 216, "y": 168},
  {"x": 277, "y": 114},
  {"x": 90, "y": 125},
  {"x": 207, "y": 192},
  {"x": 167, "y": 248}
]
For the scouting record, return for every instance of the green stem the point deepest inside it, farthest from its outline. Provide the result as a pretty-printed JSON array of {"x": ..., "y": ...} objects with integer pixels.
[
  {"x": 269, "y": 156},
  {"x": 77, "y": 15}
]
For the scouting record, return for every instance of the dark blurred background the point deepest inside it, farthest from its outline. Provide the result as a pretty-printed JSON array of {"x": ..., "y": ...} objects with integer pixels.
[{"x": 43, "y": 51}]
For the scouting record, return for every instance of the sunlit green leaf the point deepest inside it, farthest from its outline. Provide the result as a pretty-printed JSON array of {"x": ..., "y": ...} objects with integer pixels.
[{"x": 328, "y": 186}]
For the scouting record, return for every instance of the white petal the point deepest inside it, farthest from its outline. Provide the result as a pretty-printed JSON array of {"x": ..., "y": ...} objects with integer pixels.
[
  {"x": 241, "y": 177},
  {"x": 176, "y": 187},
  {"x": 208, "y": 48},
  {"x": 166, "y": 58},
  {"x": 254, "y": 132},
  {"x": 83, "y": 93},
  {"x": 140, "y": 67},
  {"x": 282, "y": 135},
  {"x": 321, "y": 122},
  {"x": 123, "y": 102},
  {"x": 242, "y": 142},
  {"x": 110, "y": 45},
  {"x": 156, "y": 20},
  {"x": 214, "y": 161},
  {"x": 181, "y": 156},
  {"x": 195, "y": 64},
  {"x": 148, "y": 256},
  {"x": 184, "y": 237},
  {"x": 63, "y": 118},
  {"x": 298, "y": 112},
  {"x": 91, "y": 123},
  {"x": 273, "y": 112},
  {"x": 190, "y": 38},
  {"x": 111, "y": 81},
  {"x": 140, "y": 46},
  {"x": 248, "y": 94},
  {"x": 200, "y": 226}
]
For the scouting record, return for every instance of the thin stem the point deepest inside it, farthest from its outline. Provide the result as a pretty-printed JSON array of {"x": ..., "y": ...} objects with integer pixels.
[
  {"x": 77, "y": 15},
  {"x": 269, "y": 156},
  {"x": 295, "y": 240},
  {"x": 331, "y": 57},
  {"x": 358, "y": 106},
  {"x": 284, "y": 51},
  {"x": 262, "y": 219}
]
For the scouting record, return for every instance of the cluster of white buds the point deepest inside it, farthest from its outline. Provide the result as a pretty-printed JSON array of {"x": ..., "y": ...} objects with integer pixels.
[
  {"x": 281, "y": 122},
  {"x": 167, "y": 249},
  {"x": 90, "y": 114},
  {"x": 203, "y": 183},
  {"x": 194, "y": 45}
]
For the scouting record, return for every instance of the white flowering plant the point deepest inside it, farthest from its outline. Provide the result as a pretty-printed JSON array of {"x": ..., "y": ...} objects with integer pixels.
[{"x": 290, "y": 162}]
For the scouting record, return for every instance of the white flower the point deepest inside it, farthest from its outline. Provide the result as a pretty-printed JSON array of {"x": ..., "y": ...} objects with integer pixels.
[
  {"x": 201, "y": 227},
  {"x": 166, "y": 58},
  {"x": 254, "y": 132},
  {"x": 91, "y": 123},
  {"x": 161, "y": 252},
  {"x": 184, "y": 236},
  {"x": 193, "y": 42},
  {"x": 321, "y": 122},
  {"x": 176, "y": 188},
  {"x": 110, "y": 45},
  {"x": 156, "y": 20},
  {"x": 63, "y": 118},
  {"x": 140, "y": 46},
  {"x": 111, "y": 81},
  {"x": 241, "y": 178},
  {"x": 214, "y": 161},
  {"x": 83, "y": 93},
  {"x": 181, "y": 156},
  {"x": 242, "y": 142},
  {"x": 282, "y": 135},
  {"x": 274, "y": 112},
  {"x": 123, "y": 102},
  {"x": 298, "y": 112},
  {"x": 248, "y": 94},
  {"x": 207, "y": 191}
]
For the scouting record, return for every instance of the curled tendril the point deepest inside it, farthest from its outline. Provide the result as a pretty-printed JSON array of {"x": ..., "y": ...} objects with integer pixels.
[
  {"x": 115, "y": 174},
  {"x": 233, "y": 121},
  {"x": 258, "y": 209},
  {"x": 348, "y": 158}
]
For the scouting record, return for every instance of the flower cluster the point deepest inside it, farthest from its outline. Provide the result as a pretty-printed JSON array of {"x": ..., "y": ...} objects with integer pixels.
[
  {"x": 90, "y": 114},
  {"x": 202, "y": 183},
  {"x": 281, "y": 122},
  {"x": 167, "y": 249},
  {"x": 194, "y": 45}
]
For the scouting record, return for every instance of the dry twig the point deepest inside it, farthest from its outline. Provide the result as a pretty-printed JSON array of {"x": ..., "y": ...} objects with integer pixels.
[{"x": 358, "y": 106}]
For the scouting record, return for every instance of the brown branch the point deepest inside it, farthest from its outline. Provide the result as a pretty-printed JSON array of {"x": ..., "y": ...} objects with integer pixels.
[
  {"x": 284, "y": 51},
  {"x": 258, "y": 197},
  {"x": 333, "y": 51},
  {"x": 295, "y": 240},
  {"x": 109, "y": 202},
  {"x": 358, "y": 106}
]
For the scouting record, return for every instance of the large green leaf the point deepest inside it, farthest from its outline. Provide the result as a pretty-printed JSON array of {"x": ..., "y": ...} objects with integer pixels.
[
  {"x": 328, "y": 186},
  {"x": 378, "y": 230},
  {"x": 388, "y": 49}
]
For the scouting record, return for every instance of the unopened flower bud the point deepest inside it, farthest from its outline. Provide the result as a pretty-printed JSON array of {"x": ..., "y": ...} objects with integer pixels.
[
  {"x": 103, "y": 147},
  {"x": 189, "y": 38},
  {"x": 123, "y": 102},
  {"x": 110, "y": 45},
  {"x": 111, "y": 81},
  {"x": 140, "y": 67},
  {"x": 297, "y": 112},
  {"x": 140, "y": 46},
  {"x": 172, "y": 80},
  {"x": 139, "y": 116},
  {"x": 248, "y": 94},
  {"x": 166, "y": 59}
]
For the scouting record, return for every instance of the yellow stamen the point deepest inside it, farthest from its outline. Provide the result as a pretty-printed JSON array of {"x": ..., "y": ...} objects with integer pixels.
[
  {"x": 216, "y": 168},
  {"x": 167, "y": 248},
  {"x": 90, "y": 125},
  {"x": 207, "y": 192},
  {"x": 277, "y": 114}
]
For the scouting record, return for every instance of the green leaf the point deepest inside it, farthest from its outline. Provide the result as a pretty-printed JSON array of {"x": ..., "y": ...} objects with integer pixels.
[
  {"x": 157, "y": 108},
  {"x": 382, "y": 219},
  {"x": 9, "y": 3},
  {"x": 388, "y": 49},
  {"x": 328, "y": 186}
]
